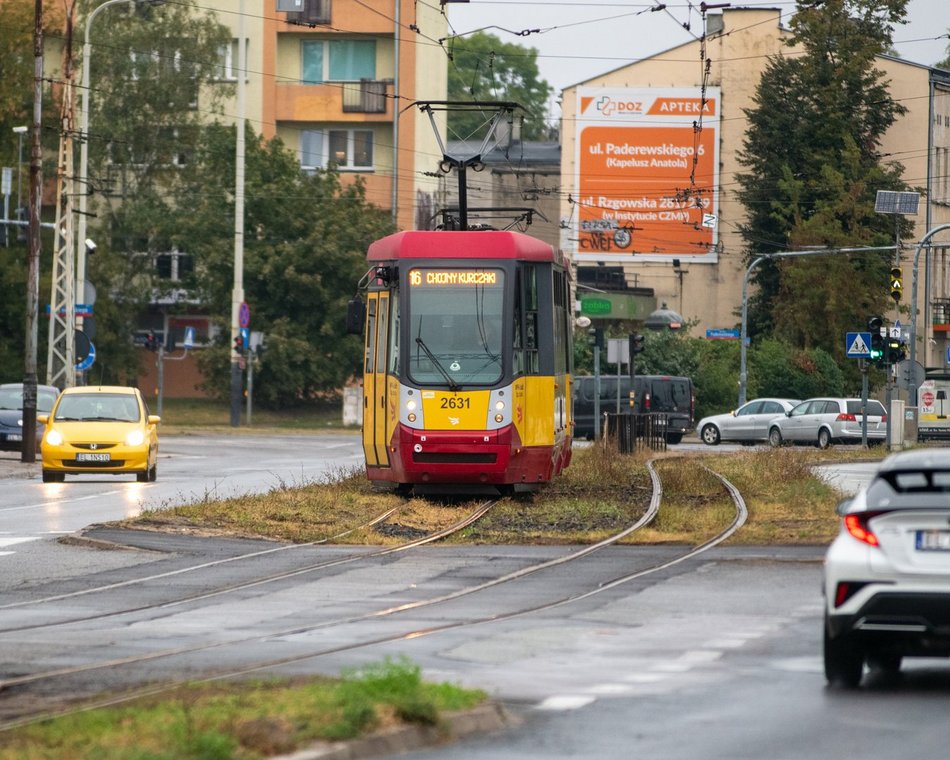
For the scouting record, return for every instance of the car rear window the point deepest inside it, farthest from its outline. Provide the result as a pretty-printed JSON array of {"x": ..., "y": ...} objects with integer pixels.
[
  {"x": 875, "y": 408},
  {"x": 909, "y": 489}
]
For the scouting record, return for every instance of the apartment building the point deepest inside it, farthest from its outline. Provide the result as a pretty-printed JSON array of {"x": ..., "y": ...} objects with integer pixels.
[
  {"x": 335, "y": 80},
  {"x": 649, "y": 199}
]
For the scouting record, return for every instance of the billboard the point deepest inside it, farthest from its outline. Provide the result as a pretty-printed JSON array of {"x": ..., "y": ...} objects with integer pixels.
[{"x": 646, "y": 174}]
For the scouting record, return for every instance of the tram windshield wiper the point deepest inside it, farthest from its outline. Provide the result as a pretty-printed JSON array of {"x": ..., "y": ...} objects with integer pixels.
[{"x": 453, "y": 386}]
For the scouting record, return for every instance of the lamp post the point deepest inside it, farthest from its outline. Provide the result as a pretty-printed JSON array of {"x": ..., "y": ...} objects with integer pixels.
[{"x": 85, "y": 90}]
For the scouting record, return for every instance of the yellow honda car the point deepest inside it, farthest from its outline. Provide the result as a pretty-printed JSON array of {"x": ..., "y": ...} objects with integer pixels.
[{"x": 100, "y": 429}]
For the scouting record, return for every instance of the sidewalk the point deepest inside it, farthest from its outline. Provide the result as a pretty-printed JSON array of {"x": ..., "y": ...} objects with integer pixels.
[{"x": 12, "y": 467}]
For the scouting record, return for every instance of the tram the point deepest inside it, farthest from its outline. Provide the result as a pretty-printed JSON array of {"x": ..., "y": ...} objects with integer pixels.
[{"x": 467, "y": 364}]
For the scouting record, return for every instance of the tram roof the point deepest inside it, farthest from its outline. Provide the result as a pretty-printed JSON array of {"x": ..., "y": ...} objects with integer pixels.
[{"x": 460, "y": 244}]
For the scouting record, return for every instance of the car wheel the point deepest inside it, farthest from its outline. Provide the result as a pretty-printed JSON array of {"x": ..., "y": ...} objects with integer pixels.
[
  {"x": 710, "y": 435},
  {"x": 824, "y": 438},
  {"x": 153, "y": 473},
  {"x": 142, "y": 477},
  {"x": 674, "y": 437},
  {"x": 775, "y": 438},
  {"x": 844, "y": 662},
  {"x": 886, "y": 663}
]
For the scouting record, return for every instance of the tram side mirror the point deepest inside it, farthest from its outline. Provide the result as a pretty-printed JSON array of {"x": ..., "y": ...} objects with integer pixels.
[{"x": 355, "y": 316}]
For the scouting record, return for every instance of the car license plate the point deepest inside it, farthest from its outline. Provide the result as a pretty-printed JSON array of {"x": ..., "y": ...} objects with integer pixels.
[
  {"x": 933, "y": 540},
  {"x": 93, "y": 457},
  {"x": 14, "y": 437}
]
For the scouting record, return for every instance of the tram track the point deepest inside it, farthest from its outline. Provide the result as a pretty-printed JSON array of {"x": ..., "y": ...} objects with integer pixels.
[{"x": 47, "y": 678}]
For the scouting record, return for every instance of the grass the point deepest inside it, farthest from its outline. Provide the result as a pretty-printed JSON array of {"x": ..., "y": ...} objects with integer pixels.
[
  {"x": 245, "y": 720},
  {"x": 181, "y": 416}
]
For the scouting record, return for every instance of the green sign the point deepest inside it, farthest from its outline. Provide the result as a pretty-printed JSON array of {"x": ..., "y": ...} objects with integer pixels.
[{"x": 597, "y": 306}]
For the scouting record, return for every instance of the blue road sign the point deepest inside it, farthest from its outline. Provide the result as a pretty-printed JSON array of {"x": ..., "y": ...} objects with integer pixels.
[
  {"x": 857, "y": 345},
  {"x": 88, "y": 361}
]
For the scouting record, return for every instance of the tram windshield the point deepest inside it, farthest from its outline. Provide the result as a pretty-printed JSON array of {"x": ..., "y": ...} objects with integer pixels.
[{"x": 455, "y": 318}]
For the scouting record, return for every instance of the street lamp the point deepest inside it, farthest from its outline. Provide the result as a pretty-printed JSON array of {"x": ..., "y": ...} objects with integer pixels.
[
  {"x": 20, "y": 131},
  {"x": 85, "y": 91}
]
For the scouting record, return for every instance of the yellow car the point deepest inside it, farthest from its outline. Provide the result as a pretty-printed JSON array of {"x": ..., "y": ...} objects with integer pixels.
[{"x": 100, "y": 429}]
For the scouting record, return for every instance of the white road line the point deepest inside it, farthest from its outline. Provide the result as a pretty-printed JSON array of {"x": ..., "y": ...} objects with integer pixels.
[
  {"x": 566, "y": 702},
  {"x": 51, "y": 502},
  {"x": 16, "y": 540}
]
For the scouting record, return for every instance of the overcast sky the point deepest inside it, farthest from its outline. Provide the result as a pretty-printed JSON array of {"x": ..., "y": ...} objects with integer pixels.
[{"x": 579, "y": 40}]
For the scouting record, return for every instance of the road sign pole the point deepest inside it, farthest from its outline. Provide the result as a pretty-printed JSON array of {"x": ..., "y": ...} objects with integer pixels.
[{"x": 864, "y": 403}]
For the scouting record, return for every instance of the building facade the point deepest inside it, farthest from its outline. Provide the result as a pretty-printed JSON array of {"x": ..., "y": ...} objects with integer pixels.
[{"x": 649, "y": 165}]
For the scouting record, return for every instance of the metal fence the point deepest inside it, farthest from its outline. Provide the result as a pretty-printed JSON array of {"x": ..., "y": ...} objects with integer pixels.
[{"x": 630, "y": 432}]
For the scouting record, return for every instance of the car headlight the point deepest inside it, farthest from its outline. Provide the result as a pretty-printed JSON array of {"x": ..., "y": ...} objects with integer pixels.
[
  {"x": 54, "y": 438},
  {"x": 135, "y": 438}
]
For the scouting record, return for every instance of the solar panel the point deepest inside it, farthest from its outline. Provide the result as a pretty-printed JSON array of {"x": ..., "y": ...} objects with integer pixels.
[{"x": 892, "y": 202}]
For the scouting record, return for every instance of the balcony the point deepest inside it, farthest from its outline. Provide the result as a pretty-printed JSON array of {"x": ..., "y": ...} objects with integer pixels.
[
  {"x": 941, "y": 314},
  {"x": 312, "y": 13},
  {"x": 365, "y": 96},
  {"x": 359, "y": 101}
]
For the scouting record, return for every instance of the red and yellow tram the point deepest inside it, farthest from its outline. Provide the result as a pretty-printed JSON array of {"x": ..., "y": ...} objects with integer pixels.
[{"x": 467, "y": 366}]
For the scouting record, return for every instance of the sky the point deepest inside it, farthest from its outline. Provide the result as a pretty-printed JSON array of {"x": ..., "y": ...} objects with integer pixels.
[{"x": 579, "y": 39}]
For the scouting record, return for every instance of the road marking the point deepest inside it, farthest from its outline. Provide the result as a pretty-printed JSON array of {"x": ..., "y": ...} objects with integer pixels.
[
  {"x": 52, "y": 502},
  {"x": 566, "y": 702},
  {"x": 17, "y": 540}
]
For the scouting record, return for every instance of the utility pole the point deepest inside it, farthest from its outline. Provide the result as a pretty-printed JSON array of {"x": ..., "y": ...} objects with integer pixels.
[
  {"x": 237, "y": 293},
  {"x": 28, "y": 453}
]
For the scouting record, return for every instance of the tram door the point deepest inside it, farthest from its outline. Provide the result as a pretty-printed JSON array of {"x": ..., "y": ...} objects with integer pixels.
[{"x": 374, "y": 380}]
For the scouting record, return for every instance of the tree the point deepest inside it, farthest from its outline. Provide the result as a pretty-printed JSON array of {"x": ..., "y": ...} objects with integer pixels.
[
  {"x": 153, "y": 83},
  {"x": 945, "y": 63},
  {"x": 814, "y": 167},
  {"x": 304, "y": 254},
  {"x": 482, "y": 67}
]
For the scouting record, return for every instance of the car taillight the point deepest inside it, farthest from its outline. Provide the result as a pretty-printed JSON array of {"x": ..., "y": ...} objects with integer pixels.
[
  {"x": 845, "y": 417},
  {"x": 883, "y": 418},
  {"x": 857, "y": 526},
  {"x": 646, "y": 402},
  {"x": 845, "y": 590}
]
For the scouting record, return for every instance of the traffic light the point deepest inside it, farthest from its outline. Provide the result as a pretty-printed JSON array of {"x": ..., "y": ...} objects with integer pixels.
[
  {"x": 877, "y": 340},
  {"x": 636, "y": 344},
  {"x": 895, "y": 351},
  {"x": 897, "y": 283},
  {"x": 239, "y": 344}
]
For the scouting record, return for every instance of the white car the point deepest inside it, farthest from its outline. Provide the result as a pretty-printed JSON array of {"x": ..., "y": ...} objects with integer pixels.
[
  {"x": 887, "y": 574},
  {"x": 748, "y": 424},
  {"x": 824, "y": 421}
]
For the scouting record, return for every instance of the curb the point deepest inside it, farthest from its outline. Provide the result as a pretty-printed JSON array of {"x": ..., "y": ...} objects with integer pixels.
[{"x": 452, "y": 726}]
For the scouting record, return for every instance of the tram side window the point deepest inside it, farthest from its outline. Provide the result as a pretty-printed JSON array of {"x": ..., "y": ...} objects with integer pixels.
[
  {"x": 382, "y": 338},
  {"x": 517, "y": 354},
  {"x": 561, "y": 359},
  {"x": 532, "y": 360},
  {"x": 370, "y": 356},
  {"x": 394, "y": 337}
]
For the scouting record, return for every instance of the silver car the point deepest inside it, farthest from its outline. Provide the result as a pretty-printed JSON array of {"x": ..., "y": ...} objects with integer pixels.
[
  {"x": 747, "y": 424},
  {"x": 823, "y": 421}
]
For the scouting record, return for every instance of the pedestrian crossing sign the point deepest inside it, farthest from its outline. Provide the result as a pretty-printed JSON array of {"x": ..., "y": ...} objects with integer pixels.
[{"x": 857, "y": 345}]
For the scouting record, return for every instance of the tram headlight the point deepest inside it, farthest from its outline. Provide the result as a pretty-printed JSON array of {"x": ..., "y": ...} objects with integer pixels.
[
  {"x": 499, "y": 418},
  {"x": 411, "y": 417},
  {"x": 499, "y": 406},
  {"x": 411, "y": 405}
]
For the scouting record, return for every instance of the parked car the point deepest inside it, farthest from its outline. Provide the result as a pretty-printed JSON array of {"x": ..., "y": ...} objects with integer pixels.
[
  {"x": 747, "y": 424},
  {"x": 823, "y": 421},
  {"x": 100, "y": 429},
  {"x": 671, "y": 396},
  {"x": 11, "y": 413},
  {"x": 887, "y": 574}
]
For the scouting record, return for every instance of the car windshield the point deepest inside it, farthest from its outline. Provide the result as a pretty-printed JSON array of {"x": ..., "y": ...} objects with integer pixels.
[
  {"x": 12, "y": 399},
  {"x": 910, "y": 489},
  {"x": 455, "y": 324},
  {"x": 102, "y": 407}
]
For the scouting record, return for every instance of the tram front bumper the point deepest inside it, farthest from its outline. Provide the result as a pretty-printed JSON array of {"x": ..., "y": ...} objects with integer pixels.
[{"x": 446, "y": 456}]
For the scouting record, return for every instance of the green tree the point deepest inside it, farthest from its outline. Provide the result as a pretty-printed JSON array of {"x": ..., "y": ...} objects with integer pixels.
[
  {"x": 304, "y": 253},
  {"x": 945, "y": 63},
  {"x": 153, "y": 83},
  {"x": 482, "y": 67},
  {"x": 814, "y": 167}
]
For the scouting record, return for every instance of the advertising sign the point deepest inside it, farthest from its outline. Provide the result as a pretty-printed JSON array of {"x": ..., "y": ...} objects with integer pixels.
[{"x": 647, "y": 174}]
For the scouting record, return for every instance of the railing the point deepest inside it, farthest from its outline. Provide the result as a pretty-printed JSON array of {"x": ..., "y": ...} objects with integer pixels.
[
  {"x": 365, "y": 96},
  {"x": 314, "y": 12},
  {"x": 629, "y": 432}
]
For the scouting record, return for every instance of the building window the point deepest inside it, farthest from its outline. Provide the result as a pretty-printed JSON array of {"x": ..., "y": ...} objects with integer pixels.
[
  {"x": 348, "y": 149},
  {"x": 174, "y": 266},
  {"x": 337, "y": 60},
  {"x": 228, "y": 61}
]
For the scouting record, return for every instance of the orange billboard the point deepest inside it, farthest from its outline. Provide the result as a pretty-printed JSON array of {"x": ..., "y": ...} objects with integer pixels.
[{"x": 646, "y": 174}]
